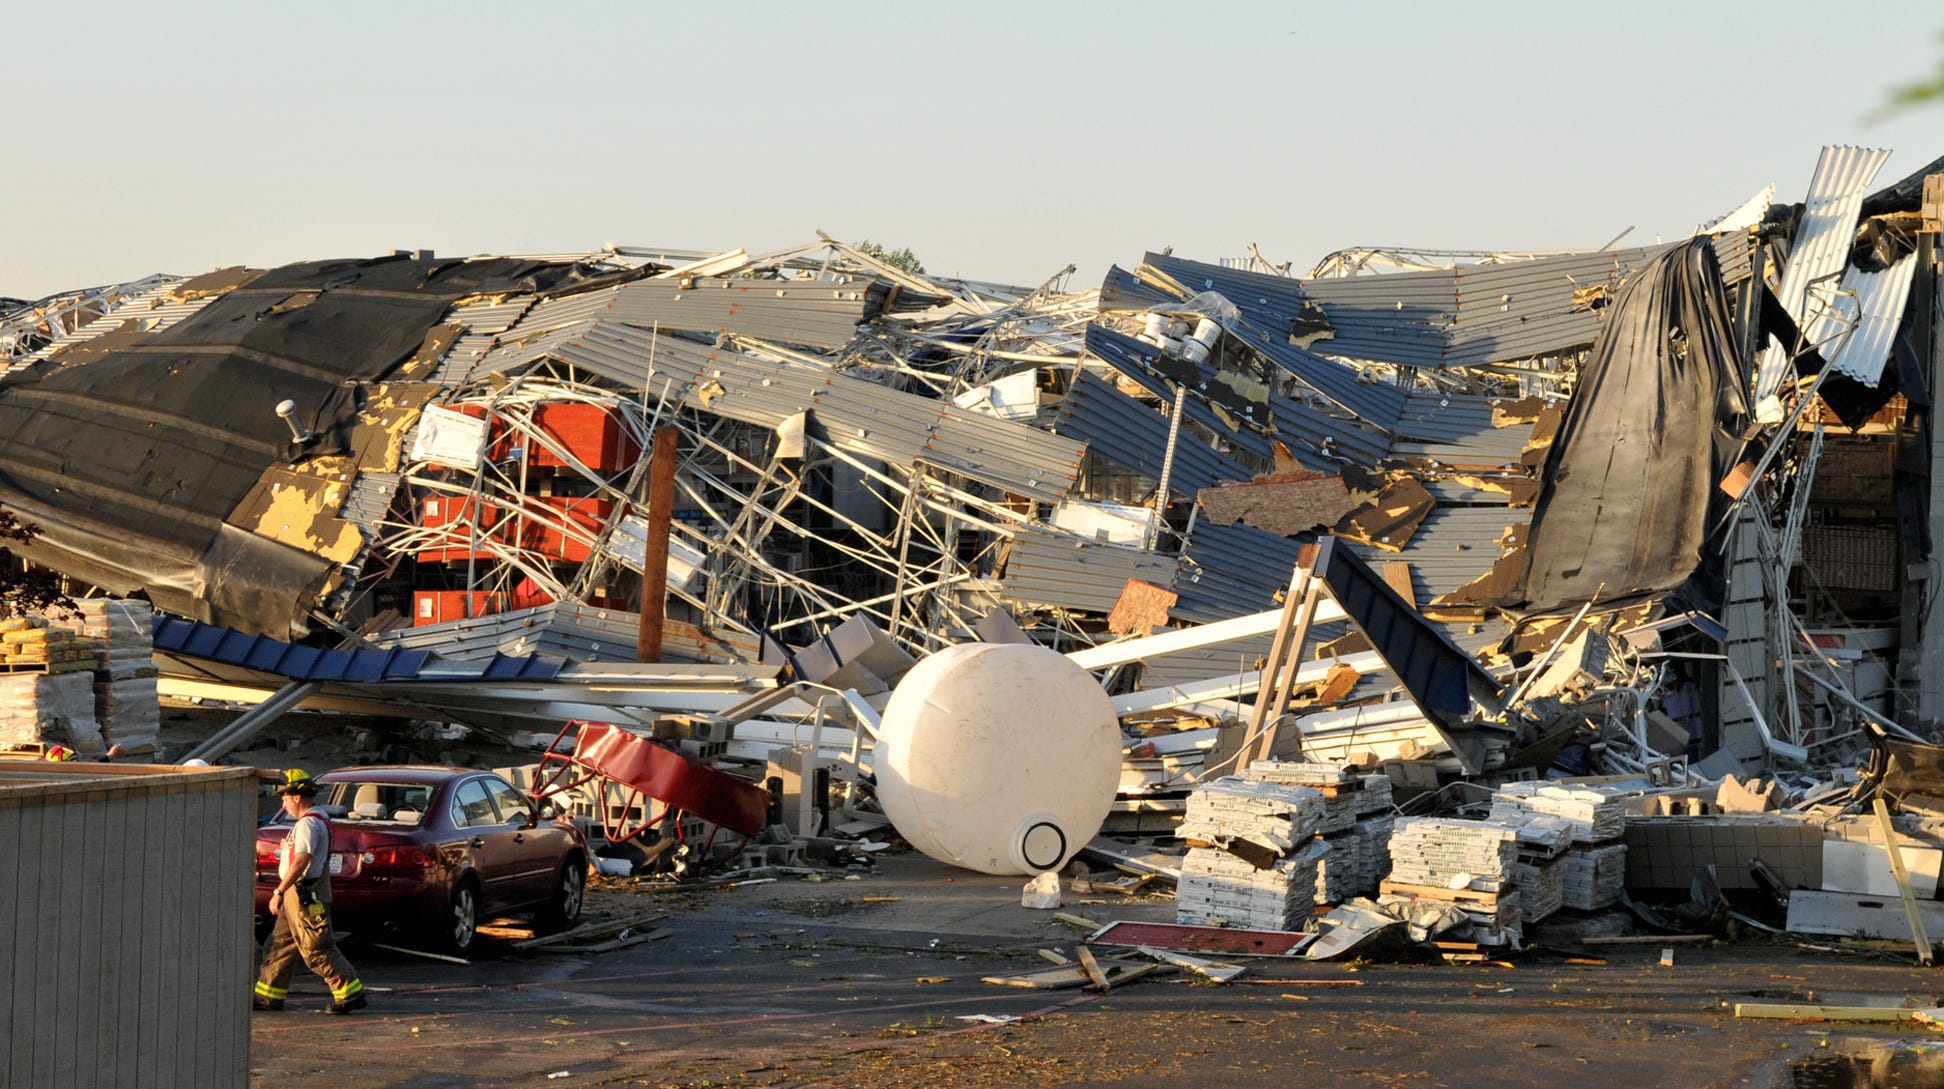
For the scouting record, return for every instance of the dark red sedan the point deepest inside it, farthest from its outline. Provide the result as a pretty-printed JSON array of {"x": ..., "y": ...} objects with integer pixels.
[{"x": 437, "y": 850}]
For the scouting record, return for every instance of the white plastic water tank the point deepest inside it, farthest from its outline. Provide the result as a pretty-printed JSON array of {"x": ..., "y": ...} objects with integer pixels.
[{"x": 998, "y": 757}]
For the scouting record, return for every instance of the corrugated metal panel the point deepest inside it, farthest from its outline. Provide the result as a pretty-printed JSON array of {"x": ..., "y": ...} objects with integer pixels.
[
  {"x": 490, "y": 317},
  {"x": 1269, "y": 304},
  {"x": 1373, "y": 401},
  {"x": 1879, "y": 299},
  {"x": 1457, "y": 429},
  {"x": 262, "y": 654},
  {"x": 153, "y": 308},
  {"x": 1316, "y": 437},
  {"x": 1047, "y": 568},
  {"x": 558, "y": 313},
  {"x": 1457, "y": 493},
  {"x": 370, "y": 500},
  {"x": 1461, "y": 316},
  {"x": 1735, "y": 252},
  {"x": 1228, "y": 571},
  {"x": 1453, "y": 546},
  {"x": 858, "y": 416},
  {"x": 1821, "y": 249},
  {"x": 572, "y": 631},
  {"x": 1135, "y": 359},
  {"x": 818, "y": 313},
  {"x": 464, "y": 355},
  {"x": 1122, "y": 290},
  {"x": 1135, "y": 436}
]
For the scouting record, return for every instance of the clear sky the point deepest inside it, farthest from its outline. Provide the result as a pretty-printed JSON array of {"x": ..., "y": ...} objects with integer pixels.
[{"x": 999, "y": 140}]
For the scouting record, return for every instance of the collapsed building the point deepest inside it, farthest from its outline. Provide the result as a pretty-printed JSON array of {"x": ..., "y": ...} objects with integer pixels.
[{"x": 1662, "y": 513}]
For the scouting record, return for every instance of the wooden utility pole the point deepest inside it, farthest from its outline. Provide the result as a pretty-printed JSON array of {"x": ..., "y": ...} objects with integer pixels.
[{"x": 654, "y": 558}]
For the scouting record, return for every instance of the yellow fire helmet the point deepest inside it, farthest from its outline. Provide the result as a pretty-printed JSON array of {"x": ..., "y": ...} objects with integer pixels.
[{"x": 297, "y": 781}]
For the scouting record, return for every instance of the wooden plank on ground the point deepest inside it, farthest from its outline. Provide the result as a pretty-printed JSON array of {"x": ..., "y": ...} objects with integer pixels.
[
  {"x": 1806, "y": 1012},
  {"x": 1092, "y": 967},
  {"x": 1897, "y": 870},
  {"x": 1436, "y": 892},
  {"x": 593, "y": 931},
  {"x": 1053, "y": 979}
]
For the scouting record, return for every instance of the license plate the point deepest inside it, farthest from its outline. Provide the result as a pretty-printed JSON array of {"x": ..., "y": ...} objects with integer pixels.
[{"x": 337, "y": 865}]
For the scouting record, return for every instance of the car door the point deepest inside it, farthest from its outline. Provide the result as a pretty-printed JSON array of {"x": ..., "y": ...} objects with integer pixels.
[
  {"x": 488, "y": 844},
  {"x": 534, "y": 852}
]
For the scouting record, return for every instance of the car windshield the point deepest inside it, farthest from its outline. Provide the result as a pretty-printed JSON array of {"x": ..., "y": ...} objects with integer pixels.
[{"x": 401, "y": 802}]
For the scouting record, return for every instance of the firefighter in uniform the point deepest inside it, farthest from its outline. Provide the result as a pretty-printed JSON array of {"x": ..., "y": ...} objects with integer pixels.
[{"x": 302, "y": 905}]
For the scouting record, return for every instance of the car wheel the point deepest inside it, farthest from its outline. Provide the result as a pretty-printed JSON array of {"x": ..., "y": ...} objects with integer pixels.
[
  {"x": 462, "y": 918},
  {"x": 570, "y": 893}
]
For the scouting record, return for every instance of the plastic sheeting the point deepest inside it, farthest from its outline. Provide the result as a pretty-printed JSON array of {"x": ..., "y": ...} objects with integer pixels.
[{"x": 1628, "y": 492}]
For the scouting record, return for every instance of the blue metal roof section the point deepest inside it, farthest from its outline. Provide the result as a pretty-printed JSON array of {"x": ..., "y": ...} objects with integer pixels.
[
  {"x": 194, "y": 639},
  {"x": 1122, "y": 290},
  {"x": 1461, "y": 316},
  {"x": 1318, "y": 439},
  {"x": 1228, "y": 571},
  {"x": 1441, "y": 679},
  {"x": 1269, "y": 307},
  {"x": 1134, "y": 436}
]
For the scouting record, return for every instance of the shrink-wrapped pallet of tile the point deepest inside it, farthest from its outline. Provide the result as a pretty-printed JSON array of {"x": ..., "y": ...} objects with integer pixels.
[
  {"x": 130, "y": 712},
  {"x": 1218, "y": 889},
  {"x": 1435, "y": 851},
  {"x": 126, "y": 702},
  {"x": 1595, "y": 876},
  {"x": 49, "y": 709},
  {"x": 125, "y": 635},
  {"x": 1595, "y": 815}
]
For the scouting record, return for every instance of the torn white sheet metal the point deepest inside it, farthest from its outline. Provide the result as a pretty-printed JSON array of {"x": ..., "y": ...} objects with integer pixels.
[
  {"x": 629, "y": 544},
  {"x": 1748, "y": 213},
  {"x": 448, "y": 437},
  {"x": 1236, "y": 684},
  {"x": 1878, "y": 300},
  {"x": 1821, "y": 249},
  {"x": 1014, "y": 397},
  {"x": 1105, "y": 523}
]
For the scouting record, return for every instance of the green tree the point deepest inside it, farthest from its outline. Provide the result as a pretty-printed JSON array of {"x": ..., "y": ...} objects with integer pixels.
[
  {"x": 1905, "y": 96},
  {"x": 902, "y": 259},
  {"x": 25, "y": 588}
]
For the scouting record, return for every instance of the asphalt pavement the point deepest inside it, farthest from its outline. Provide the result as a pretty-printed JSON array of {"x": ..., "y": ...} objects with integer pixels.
[{"x": 874, "y": 978}]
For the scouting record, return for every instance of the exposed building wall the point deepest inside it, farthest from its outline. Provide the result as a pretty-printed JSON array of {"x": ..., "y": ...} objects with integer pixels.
[{"x": 125, "y": 946}]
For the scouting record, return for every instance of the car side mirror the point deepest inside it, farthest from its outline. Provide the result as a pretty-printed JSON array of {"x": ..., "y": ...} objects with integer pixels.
[{"x": 548, "y": 812}]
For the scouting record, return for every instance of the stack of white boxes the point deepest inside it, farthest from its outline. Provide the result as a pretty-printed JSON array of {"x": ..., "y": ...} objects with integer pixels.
[
  {"x": 1359, "y": 845},
  {"x": 1596, "y": 866},
  {"x": 125, "y": 697},
  {"x": 1595, "y": 876},
  {"x": 1460, "y": 859},
  {"x": 1541, "y": 870},
  {"x": 1272, "y": 821}
]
